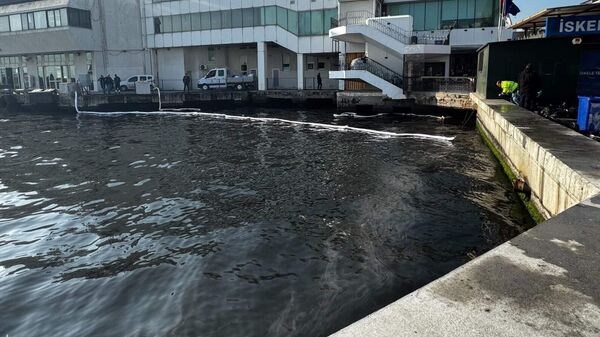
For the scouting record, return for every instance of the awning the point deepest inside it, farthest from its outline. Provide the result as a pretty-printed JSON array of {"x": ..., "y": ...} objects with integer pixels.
[{"x": 538, "y": 20}]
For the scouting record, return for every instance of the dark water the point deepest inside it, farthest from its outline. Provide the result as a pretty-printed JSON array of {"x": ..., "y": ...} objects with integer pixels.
[{"x": 191, "y": 226}]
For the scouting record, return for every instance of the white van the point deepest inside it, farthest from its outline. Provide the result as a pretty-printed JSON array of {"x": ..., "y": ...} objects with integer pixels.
[{"x": 129, "y": 84}]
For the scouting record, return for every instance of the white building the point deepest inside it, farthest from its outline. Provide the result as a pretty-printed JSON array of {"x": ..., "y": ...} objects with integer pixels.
[
  {"x": 50, "y": 43},
  {"x": 410, "y": 45},
  {"x": 284, "y": 42}
]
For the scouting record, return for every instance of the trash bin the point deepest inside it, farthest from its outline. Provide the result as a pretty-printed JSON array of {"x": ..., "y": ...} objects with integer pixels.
[{"x": 588, "y": 118}]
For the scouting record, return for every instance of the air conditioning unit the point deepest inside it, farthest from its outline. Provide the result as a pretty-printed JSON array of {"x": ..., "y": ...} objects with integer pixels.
[{"x": 202, "y": 67}]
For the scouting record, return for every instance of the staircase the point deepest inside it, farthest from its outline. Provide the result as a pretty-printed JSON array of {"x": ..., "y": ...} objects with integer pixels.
[{"x": 374, "y": 73}]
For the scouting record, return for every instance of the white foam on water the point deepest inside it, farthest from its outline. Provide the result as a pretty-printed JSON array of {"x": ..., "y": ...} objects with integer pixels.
[{"x": 275, "y": 120}]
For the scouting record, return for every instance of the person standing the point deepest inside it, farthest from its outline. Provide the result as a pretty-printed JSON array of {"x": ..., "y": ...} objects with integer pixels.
[
  {"x": 109, "y": 83},
  {"x": 102, "y": 81},
  {"x": 186, "y": 82},
  {"x": 117, "y": 83},
  {"x": 530, "y": 83},
  {"x": 319, "y": 82}
]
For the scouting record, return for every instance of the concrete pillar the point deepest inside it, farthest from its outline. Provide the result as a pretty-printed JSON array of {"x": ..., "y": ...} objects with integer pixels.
[
  {"x": 342, "y": 62},
  {"x": 32, "y": 71},
  {"x": 261, "y": 51},
  {"x": 447, "y": 70},
  {"x": 300, "y": 71}
]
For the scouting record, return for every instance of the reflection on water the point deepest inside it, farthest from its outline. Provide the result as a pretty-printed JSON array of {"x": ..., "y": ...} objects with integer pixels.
[{"x": 187, "y": 226}]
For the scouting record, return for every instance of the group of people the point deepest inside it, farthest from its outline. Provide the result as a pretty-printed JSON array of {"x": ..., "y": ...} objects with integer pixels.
[
  {"x": 108, "y": 84},
  {"x": 526, "y": 91}
]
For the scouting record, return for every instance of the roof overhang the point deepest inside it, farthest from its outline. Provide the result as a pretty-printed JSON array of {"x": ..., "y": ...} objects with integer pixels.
[{"x": 538, "y": 20}]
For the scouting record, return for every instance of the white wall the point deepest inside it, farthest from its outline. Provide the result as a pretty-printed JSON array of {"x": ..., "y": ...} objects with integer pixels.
[
  {"x": 383, "y": 56},
  {"x": 171, "y": 68}
]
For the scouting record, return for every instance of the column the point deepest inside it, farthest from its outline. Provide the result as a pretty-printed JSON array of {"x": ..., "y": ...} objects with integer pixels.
[
  {"x": 342, "y": 62},
  {"x": 262, "y": 65},
  {"x": 447, "y": 68},
  {"x": 300, "y": 71}
]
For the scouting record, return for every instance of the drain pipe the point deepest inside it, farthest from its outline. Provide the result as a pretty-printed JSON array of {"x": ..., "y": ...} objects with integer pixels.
[
  {"x": 159, "y": 99},
  {"x": 76, "y": 101}
]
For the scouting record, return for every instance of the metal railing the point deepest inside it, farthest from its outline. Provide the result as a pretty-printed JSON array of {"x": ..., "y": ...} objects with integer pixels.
[
  {"x": 376, "y": 69},
  {"x": 367, "y": 18},
  {"x": 440, "y": 84},
  {"x": 310, "y": 83}
]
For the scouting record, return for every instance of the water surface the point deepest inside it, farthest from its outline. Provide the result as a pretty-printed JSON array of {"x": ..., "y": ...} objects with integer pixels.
[{"x": 194, "y": 226}]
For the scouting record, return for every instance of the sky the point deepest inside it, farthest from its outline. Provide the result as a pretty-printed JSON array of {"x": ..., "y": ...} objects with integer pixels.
[{"x": 529, "y": 7}]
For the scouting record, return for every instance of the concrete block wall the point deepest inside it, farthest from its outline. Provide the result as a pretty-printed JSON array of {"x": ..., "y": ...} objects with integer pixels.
[{"x": 550, "y": 157}]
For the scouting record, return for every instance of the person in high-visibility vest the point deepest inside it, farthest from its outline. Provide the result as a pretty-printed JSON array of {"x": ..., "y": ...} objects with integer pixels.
[
  {"x": 509, "y": 90},
  {"x": 508, "y": 87}
]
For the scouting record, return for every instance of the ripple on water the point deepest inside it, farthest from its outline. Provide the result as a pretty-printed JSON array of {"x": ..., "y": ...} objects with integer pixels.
[{"x": 157, "y": 228}]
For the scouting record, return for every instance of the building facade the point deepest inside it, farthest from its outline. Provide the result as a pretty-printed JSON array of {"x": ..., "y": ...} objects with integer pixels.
[
  {"x": 285, "y": 44},
  {"x": 50, "y": 43}
]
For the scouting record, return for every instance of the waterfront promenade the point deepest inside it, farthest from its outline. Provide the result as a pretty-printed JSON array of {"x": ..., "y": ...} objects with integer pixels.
[{"x": 542, "y": 283}]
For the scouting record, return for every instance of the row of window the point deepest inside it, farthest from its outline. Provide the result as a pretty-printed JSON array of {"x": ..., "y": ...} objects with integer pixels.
[
  {"x": 305, "y": 23},
  {"x": 445, "y": 14},
  {"x": 46, "y": 19}
]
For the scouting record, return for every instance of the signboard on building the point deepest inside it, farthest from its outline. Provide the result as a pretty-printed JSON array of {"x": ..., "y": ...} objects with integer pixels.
[
  {"x": 589, "y": 73},
  {"x": 573, "y": 26}
]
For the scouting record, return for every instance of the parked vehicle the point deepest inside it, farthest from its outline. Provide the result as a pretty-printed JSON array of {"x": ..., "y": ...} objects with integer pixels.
[
  {"x": 221, "y": 78},
  {"x": 130, "y": 82}
]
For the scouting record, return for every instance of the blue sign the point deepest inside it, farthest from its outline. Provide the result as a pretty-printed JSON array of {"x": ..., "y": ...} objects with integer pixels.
[
  {"x": 588, "y": 83},
  {"x": 573, "y": 26}
]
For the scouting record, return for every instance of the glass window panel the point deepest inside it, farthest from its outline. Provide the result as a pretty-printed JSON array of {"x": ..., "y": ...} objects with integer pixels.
[
  {"x": 51, "y": 22},
  {"x": 432, "y": 19},
  {"x": 304, "y": 23},
  {"x": 167, "y": 25},
  {"x": 15, "y": 23},
  {"x": 196, "y": 21},
  {"x": 329, "y": 14},
  {"x": 259, "y": 16},
  {"x": 418, "y": 13},
  {"x": 293, "y": 21},
  {"x": 215, "y": 20},
  {"x": 282, "y": 17},
  {"x": 248, "y": 17},
  {"x": 186, "y": 22},
  {"x": 73, "y": 17},
  {"x": 4, "y": 25},
  {"x": 449, "y": 13},
  {"x": 64, "y": 21},
  {"x": 236, "y": 18},
  {"x": 316, "y": 22},
  {"x": 157, "y": 25},
  {"x": 176, "y": 22},
  {"x": 484, "y": 13},
  {"x": 85, "y": 18},
  {"x": 270, "y": 15},
  {"x": 466, "y": 13},
  {"x": 226, "y": 19},
  {"x": 24, "y": 22},
  {"x": 30, "y": 21},
  {"x": 205, "y": 20},
  {"x": 40, "y": 20}
]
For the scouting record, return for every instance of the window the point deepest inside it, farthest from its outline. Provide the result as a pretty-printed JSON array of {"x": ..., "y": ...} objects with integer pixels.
[
  {"x": 270, "y": 15},
  {"x": 132, "y": 79},
  {"x": 196, "y": 21},
  {"x": 215, "y": 20},
  {"x": 226, "y": 19},
  {"x": 316, "y": 23},
  {"x": 432, "y": 19},
  {"x": 64, "y": 21},
  {"x": 321, "y": 65},
  {"x": 176, "y": 22},
  {"x": 466, "y": 13},
  {"x": 211, "y": 74},
  {"x": 73, "y": 17},
  {"x": 282, "y": 20},
  {"x": 143, "y": 78},
  {"x": 259, "y": 16},
  {"x": 329, "y": 14},
  {"x": 418, "y": 13},
  {"x": 167, "y": 24},
  {"x": 236, "y": 18},
  {"x": 221, "y": 73},
  {"x": 157, "y": 26},
  {"x": 248, "y": 17},
  {"x": 24, "y": 22},
  {"x": 449, "y": 13},
  {"x": 40, "y": 20},
  {"x": 186, "y": 22},
  {"x": 15, "y": 23},
  {"x": 484, "y": 13},
  {"x": 4, "y": 25},
  {"x": 205, "y": 20},
  {"x": 293, "y": 21},
  {"x": 304, "y": 23}
]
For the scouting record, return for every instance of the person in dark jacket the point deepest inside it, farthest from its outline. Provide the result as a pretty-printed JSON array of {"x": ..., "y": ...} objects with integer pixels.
[
  {"x": 102, "y": 81},
  {"x": 319, "y": 81},
  {"x": 109, "y": 83},
  {"x": 117, "y": 83},
  {"x": 187, "y": 81},
  {"x": 530, "y": 83}
]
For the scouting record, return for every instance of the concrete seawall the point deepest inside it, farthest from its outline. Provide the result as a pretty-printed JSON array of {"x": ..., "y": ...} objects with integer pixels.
[{"x": 542, "y": 283}]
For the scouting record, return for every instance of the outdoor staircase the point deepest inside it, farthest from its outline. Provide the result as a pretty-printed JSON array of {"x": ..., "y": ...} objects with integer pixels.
[{"x": 374, "y": 73}]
